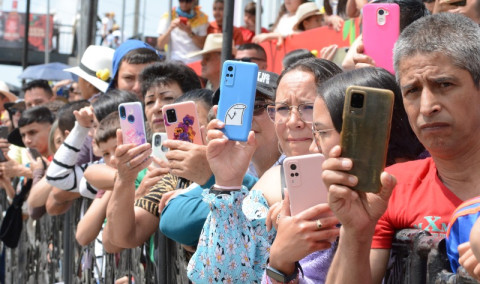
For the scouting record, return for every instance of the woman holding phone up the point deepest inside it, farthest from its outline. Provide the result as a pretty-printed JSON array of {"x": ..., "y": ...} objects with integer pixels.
[{"x": 234, "y": 244}]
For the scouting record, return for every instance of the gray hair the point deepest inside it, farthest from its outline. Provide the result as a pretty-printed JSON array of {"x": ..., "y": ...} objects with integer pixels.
[{"x": 453, "y": 35}]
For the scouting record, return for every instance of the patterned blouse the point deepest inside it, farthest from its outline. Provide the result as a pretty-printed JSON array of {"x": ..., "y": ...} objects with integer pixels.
[{"x": 234, "y": 245}]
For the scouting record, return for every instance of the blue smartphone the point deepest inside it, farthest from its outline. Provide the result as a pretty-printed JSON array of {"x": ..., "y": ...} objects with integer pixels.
[{"x": 237, "y": 98}]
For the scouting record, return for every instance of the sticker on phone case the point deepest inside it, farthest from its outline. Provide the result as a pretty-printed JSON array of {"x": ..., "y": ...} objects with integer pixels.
[
  {"x": 234, "y": 114},
  {"x": 184, "y": 130}
]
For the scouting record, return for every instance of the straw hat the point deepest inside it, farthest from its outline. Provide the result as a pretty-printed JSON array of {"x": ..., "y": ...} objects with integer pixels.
[
  {"x": 95, "y": 66},
  {"x": 306, "y": 10},
  {"x": 4, "y": 90},
  {"x": 213, "y": 43}
]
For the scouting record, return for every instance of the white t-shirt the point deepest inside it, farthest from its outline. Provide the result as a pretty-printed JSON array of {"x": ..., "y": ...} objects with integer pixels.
[
  {"x": 285, "y": 25},
  {"x": 182, "y": 43}
]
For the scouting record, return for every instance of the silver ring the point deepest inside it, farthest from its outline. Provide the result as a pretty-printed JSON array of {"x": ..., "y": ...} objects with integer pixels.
[
  {"x": 319, "y": 224},
  {"x": 128, "y": 165}
]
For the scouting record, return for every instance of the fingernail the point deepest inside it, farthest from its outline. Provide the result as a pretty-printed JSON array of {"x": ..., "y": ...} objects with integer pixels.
[
  {"x": 352, "y": 179},
  {"x": 346, "y": 163},
  {"x": 224, "y": 137}
]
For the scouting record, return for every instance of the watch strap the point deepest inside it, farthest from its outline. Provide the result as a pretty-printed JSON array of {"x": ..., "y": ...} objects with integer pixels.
[{"x": 279, "y": 277}]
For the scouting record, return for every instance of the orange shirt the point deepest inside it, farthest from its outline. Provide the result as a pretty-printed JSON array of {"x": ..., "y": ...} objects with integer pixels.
[{"x": 214, "y": 28}]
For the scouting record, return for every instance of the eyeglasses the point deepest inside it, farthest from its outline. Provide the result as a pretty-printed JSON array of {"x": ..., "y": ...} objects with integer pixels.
[
  {"x": 320, "y": 133},
  {"x": 249, "y": 59},
  {"x": 259, "y": 108},
  {"x": 280, "y": 112}
]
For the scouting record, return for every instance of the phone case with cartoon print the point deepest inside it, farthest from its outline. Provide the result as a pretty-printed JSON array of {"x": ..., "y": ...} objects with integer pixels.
[
  {"x": 237, "y": 98},
  {"x": 132, "y": 123},
  {"x": 181, "y": 122}
]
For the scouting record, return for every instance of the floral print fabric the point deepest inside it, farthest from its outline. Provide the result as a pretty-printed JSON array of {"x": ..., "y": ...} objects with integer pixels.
[{"x": 234, "y": 245}]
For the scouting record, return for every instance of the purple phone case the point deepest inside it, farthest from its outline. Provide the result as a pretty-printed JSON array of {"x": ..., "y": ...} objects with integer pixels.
[{"x": 132, "y": 123}]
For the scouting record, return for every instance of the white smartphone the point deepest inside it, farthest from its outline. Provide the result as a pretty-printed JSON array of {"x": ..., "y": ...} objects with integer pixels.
[
  {"x": 303, "y": 178},
  {"x": 158, "y": 150}
]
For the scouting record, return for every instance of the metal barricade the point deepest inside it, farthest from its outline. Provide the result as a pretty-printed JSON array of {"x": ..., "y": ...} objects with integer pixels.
[{"x": 418, "y": 257}]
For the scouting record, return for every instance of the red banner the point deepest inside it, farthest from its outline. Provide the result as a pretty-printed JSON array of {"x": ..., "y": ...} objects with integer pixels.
[{"x": 12, "y": 30}]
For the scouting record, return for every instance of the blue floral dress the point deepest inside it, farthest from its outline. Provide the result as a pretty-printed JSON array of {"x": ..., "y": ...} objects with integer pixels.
[{"x": 234, "y": 245}]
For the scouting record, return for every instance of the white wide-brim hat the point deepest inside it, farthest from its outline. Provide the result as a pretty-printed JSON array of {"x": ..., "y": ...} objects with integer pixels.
[
  {"x": 306, "y": 10},
  {"x": 4, "y": 90},
  {"x": 95, "y": 66},
  {"x": 213, "y": 43}
]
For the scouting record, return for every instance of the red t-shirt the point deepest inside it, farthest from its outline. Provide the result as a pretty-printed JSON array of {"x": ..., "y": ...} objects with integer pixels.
[
  {"x": 248, "y": 34},
  {"x": 213, "y": 28},
  {"x": 420, "y": 200}
]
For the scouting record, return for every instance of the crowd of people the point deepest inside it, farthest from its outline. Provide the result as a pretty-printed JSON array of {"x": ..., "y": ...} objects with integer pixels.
[{"x": 224, "y": 202}]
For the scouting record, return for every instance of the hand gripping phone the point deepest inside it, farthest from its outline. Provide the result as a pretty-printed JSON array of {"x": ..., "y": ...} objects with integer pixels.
[
  {"x": 237, "y": 97},
  {"x": 132, "y": 123},
  {"x": 181, "y": 122},
  {"x": 3, "y": 131},
  {"x": 303, "y": 177},
  {"x": 381, "y": 28},
  {"x": 367, "y": 116},
  {"x": 158, "y": 149}
]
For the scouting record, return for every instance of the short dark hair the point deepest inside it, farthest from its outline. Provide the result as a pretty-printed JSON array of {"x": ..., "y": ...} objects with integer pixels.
[
  {"x": 107, "y": 128},
  {"x": 260, "y": 50},
  {"x": 165, "y": 73},
  {"x": 321, "y": 69},
  {"x": 197, "y": 95},
  {"x": 403, "y": 142},
  {"x": 42, "y": 84},
  {"x": 140, "y": 56},
  {"x": 65, "y": 117},
  {"x": 108, "y": 102},
  {"x": 296, "y": 55},
  {"x": 39, "y": 114},
  {"x": 251, "y": 8}
]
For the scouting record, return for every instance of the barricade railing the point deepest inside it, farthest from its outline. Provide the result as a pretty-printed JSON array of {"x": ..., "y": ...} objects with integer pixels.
[{"x": 419, "y": 257}]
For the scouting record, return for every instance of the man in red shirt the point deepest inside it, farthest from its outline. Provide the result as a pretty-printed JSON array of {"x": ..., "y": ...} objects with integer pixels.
[{"x": 440, "y": 82}]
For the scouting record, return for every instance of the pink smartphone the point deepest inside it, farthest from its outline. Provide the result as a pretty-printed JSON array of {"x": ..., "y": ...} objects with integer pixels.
[
  {"x": 132, "y": 123},
  {"x": 303, "y": 177},
  {"x": 381, "y": 28},
  {"x": 181, "y": 122}
]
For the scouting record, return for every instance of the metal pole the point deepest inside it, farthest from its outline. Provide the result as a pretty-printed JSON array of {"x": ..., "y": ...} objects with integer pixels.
[
  {"x": 123, "y": 21},
  {"x": 169, "y": 48},
  {"x": 144, "y": 16},
  {"x": 25, "y": 39},
  {"x": 258, "y": 17},
  {"x": 227, "y": 30},
  {"x": 47, "y": 34},
  {"x": 136, "y": 18}
]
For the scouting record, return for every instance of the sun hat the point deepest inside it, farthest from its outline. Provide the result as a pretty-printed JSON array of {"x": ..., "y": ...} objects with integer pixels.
[
  {"x": 95, "y": 66},
  {"x": 213, "y": 43},
  {"x": 306, "y": 10},
  {"x": 4, "y": 90}
]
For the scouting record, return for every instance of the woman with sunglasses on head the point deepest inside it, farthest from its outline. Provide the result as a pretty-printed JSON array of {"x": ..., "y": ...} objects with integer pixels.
[
  {"x": 299, "y": 242},
  {"x": 234, "y": 244}
]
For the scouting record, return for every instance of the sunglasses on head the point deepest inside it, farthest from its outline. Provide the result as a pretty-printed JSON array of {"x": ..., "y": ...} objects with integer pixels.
[{"x": 249, "y": 59}]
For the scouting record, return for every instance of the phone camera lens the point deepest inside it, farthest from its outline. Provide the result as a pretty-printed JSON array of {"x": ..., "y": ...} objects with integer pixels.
[
  {"x": 293, "y": 167},
  {"x": 122, "y": 112},
  {"x": 131, "y": 118},
  {"x": 381, "y": 12},
  {"x": 157, "y": 140},
  {"x": 230, "y": 68},
  {"x": 357, "y": 100},
  {"x": 171, "y": 116}
]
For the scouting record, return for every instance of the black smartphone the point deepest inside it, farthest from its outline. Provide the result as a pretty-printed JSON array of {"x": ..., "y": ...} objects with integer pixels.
[
  {"x": 35, "y": 154},
  {"x": 2, "y": 157},
  {"x": 3, "y": 131}
]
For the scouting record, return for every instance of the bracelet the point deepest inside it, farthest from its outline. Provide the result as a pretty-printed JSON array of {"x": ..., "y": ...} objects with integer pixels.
[{"x": 216, "y": 186}]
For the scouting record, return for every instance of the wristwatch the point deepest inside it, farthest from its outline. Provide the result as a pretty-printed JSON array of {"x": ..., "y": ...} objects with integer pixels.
[{"x": 279, "y": 277}]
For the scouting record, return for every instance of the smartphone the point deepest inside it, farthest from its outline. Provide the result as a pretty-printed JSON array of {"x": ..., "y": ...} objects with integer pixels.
[
  {"x": 367, "y": 117},
  {"x": 237, "y": 96},
  {"x": 2, "y": 157},
  {"x": 181, "y": 122},
  {"x": 158, "y": 149},
  {"x": 132, "y": 123},
  {"x": 3, "y": 131},
  {"x": 381, "y": 28},
  {"x": 35, "y": 154},
  {"x": 303, "y": 178},
  {"x": 340, "y": 55},
  {"x": 184, "y": 20}
]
